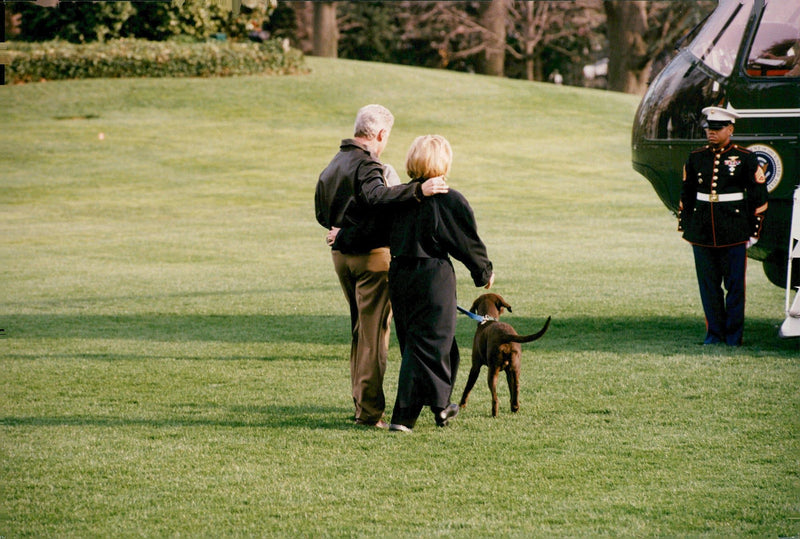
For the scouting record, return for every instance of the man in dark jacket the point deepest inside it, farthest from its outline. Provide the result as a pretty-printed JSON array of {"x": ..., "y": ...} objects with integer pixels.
[
  {"x": 351, "y": 200},
  {"x": 722, "y": 207}
]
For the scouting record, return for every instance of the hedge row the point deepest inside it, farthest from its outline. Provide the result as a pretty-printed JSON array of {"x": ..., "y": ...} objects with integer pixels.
[{"x": 52, "y": 60}]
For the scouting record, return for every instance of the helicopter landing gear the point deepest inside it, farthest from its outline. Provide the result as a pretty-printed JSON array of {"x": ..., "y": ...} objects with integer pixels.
[{"x": 775, "y": 270}]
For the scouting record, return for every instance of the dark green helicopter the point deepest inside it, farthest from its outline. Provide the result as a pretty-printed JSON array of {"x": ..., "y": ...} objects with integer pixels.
[{"x": 746, "y": 55}]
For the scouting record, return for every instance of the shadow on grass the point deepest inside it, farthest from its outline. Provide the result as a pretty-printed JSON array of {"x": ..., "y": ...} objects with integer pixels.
[
  {"x": 181, "y": 328},
  {"x": 277, "y": 417},
  {"x": 622, "y": 334},
  {"x": 662, "y": 335}
]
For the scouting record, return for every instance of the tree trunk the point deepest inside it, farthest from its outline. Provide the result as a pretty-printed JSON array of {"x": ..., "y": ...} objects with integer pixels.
[
  {"x": 326, "y": 32},
  {"x": 530, "y": 43},
  {"x": 628, "y": 62},
  {"x": 493, "y": 18}
]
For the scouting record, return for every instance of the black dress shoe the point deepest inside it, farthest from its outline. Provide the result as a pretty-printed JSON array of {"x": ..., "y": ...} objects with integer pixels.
[{"x": 443, "y": 416}]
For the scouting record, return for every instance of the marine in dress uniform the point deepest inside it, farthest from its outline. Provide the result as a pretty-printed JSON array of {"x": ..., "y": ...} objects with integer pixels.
[{"x": 722, "y": 207}]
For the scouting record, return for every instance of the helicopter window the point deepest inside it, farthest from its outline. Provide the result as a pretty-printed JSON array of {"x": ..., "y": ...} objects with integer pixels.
[
  {"x": 717, "y": 44},
  {"x": 775, "y": 51}
]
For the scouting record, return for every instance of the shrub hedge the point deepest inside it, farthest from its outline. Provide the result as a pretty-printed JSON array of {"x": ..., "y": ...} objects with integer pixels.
[{"x": 52, "y": 60}]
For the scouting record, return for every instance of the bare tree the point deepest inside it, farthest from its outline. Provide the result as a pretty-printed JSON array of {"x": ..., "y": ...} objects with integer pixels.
[
  {"x": 521, "y": 38},
  {"x": 326, "y": 31},
  {"x": 533, "y": 18},
  {"x": 640, "y": 32},
  {"x": 493, "y": 21},
  {"x": 448, "y": 27},
  {"x": 628, "y": 64}
]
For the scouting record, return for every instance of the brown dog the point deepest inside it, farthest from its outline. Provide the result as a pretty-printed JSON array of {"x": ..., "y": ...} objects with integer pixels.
[{"x": 497, "y": 345}]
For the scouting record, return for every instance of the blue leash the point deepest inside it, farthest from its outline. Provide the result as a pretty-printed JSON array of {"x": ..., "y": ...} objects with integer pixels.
[{"x": 478, "y": 318}]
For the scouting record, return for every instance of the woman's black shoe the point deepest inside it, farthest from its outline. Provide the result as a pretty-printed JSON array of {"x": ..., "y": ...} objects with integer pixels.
[{"x": 443, "y": 416}]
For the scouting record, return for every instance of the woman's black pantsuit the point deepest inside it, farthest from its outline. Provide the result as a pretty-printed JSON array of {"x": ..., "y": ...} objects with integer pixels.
[
  {"x": 424, "y": 290},
  {"x": 422, "y": 287}
]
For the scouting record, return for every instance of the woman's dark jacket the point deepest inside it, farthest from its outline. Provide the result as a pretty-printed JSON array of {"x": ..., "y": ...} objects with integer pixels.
[{"x": 441, "y": 225}]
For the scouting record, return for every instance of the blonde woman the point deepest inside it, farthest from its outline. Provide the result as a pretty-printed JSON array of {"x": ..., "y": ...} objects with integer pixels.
[{"x": 422, "y": 285}]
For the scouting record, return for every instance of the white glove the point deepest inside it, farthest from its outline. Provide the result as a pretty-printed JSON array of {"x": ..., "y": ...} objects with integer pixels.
[{"x": 752, "y": 241}]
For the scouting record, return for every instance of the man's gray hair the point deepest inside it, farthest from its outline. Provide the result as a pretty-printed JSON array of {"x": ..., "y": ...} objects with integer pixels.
[{"x": 371, "y": 119}]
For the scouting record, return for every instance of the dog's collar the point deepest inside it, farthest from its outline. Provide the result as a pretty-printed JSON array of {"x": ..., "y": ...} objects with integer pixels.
[{"x": 478, "y": 318}]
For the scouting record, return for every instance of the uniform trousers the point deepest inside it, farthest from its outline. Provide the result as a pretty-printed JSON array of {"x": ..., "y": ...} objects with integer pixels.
[
  {"x": 423, "y": 292},
  {"x": 364, "y": 280},
  {"x": 724, "y": 313}
]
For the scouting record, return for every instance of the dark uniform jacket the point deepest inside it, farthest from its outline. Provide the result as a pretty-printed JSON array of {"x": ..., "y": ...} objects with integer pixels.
[
  {"x": 711, "y": 173},
  {"x": 351, "y": 194},
  {"x": 441, "y": 225}
]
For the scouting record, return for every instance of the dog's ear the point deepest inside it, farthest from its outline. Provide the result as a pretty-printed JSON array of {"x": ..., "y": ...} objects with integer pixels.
[{"x": 502, "y": 303}]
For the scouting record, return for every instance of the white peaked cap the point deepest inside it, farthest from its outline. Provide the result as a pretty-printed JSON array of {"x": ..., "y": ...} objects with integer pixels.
[{"x": 718, "y": 114}]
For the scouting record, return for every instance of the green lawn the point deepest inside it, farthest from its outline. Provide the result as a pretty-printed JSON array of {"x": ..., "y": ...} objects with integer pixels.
[{"x": 174, "y": 354}]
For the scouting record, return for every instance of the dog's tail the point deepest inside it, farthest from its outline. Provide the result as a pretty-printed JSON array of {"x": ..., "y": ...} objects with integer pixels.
[{"x": 529, "y": 338}]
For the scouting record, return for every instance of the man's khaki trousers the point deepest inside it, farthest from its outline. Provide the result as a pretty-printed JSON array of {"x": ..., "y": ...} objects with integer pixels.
[{"x": 364, "y": 280}]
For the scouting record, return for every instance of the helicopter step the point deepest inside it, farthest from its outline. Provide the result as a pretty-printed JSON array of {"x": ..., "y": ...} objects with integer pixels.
[{"x": 791, "y": 326}]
